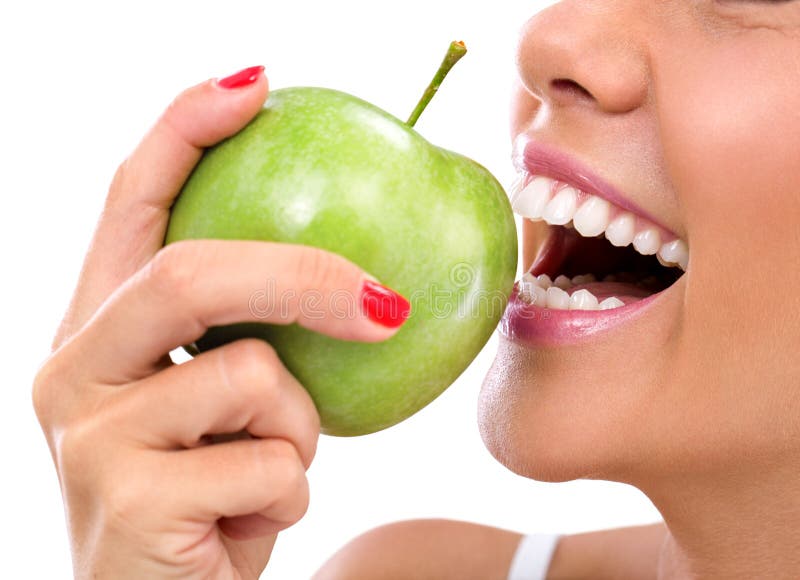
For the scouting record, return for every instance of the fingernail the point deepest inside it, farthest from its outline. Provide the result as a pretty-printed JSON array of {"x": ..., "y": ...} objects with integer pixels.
[
  {"x": 242, "y": 78},
  {"x": 383, "y": 305}
]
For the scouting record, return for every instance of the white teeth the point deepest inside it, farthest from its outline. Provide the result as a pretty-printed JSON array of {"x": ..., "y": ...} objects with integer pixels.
[
  {"x": 561, "y": 209},
  {"x": 611, "y": 303},
  {"x": 592, "y": 217},
  {"x": 556, "y": 203},
  {"x": 545, "y": 281},
  {"x": 530, "y": 290},
  {"x": 542, "y": 292},
  {"x": 526, "y": 286},
  {"x": 675, "y": 252},
  {"x": 563, "y": 282},
  {"x": 584, "y": 279},
  {"x": 620, "y": 231},
  {"x": 539, "y": 297},
  {"x": 583, "y": 300},
  {"x": 647, "y": 242},
  {"x": 557, "y": 299},
  {"x": 531, "y": 201}
]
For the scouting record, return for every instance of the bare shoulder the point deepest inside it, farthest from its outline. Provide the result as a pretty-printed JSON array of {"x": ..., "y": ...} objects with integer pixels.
[
  {"x": 620, "y": 553},
  {"x": 425, "y": 549},
  {"x": 444, "y": 549}
]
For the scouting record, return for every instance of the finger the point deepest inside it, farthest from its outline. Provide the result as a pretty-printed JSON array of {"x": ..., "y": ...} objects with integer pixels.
[
  {"x": 193, "y": 285},
  {"x": 263, "y": 476},
  {"x": 133, "y": 224},
  {"x": 237, "y": 387}
]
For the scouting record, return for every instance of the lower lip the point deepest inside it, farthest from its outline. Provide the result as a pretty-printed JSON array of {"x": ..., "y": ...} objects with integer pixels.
[{"x": 533, "y": 326}]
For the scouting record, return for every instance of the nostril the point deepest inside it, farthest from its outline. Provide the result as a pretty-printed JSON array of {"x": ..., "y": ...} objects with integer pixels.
[{"x": 570, "y": 88}]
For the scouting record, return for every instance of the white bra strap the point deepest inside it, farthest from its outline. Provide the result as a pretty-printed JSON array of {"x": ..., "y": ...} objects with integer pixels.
[{"x": 532, "y": 558}]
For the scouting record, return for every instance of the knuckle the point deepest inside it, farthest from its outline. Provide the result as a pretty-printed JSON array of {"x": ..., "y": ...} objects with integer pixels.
[
  {"x": 296, "y": 480},
  {"x": 310, "y": 429},
  {"x": 51, "y": 393},
  {"x": 288, "y": 484},
  {"x": 173, "y": 270},
  {"x": 298, "y": 506},
  {"x": 280, "y": 454},
  {"x": 320, "y": 274},
  {"x": 289, "y": 465},
  {"x": 75, "y": 449},
  {"x": 169, "y": 118},
  {"x": 293, "y": 488},
  {"x": 119, "y": 480},
  {"x": 42, "y": 395},
  {"x": 252, "y": 363},
  {"x": 318, "y": 268},
  {"x": 120, "y": 180}
]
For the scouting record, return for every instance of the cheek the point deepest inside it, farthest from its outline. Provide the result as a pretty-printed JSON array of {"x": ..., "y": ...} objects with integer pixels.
[
  {"x": 730, "y": 123},
  {"x": 731, "y": 131}
]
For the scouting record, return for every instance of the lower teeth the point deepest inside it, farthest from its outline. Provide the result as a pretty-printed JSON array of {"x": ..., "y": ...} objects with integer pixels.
[{"x": 544, "y": 292}]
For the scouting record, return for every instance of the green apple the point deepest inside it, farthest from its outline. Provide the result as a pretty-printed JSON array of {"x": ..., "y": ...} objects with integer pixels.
[{"x": 323, "y": 168}]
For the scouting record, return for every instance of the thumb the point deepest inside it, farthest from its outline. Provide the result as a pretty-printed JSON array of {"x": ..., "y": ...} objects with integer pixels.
[
  {"x": 198, "y": 118},
  {"x": 134, "y": 220}
]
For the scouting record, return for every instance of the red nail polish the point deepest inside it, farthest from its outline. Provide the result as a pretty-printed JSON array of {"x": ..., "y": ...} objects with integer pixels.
[
  {"x": 242, "y": 78},
  {"x": 384, "y": 306}
]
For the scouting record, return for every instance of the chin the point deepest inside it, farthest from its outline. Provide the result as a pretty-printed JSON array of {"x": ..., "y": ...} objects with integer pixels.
[{"x": 545, "y": 423}]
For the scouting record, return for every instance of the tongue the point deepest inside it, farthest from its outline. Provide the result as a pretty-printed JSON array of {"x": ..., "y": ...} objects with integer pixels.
[{"x": 628, "y": 293}]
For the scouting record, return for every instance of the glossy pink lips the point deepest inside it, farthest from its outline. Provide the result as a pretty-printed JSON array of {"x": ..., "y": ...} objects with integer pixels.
[{"x": 535, "y": 326}]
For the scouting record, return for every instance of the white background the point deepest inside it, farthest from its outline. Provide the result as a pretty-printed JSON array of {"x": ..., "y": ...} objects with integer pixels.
[{"x": 80, "y": 85}]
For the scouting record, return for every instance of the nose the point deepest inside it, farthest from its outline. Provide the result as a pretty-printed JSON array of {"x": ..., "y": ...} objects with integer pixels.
[{"x": 586, "y": 52}]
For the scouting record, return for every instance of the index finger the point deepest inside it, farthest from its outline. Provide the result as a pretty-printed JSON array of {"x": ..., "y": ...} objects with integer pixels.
[
  {"x": 134, "y": 220},
  {"x": 191, "y": 286}
]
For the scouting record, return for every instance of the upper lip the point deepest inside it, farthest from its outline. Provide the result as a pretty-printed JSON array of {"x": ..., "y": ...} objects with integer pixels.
[{"x": 540, "y": 159}]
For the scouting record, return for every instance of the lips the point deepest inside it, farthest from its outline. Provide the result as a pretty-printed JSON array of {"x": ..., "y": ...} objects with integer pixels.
[
  {"x": 535, "y": 158},
  {"x": 602, "y": 260},
  {"x": 534, "y": 327}
]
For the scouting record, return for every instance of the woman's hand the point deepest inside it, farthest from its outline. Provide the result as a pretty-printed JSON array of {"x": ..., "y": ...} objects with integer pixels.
[{"x": 147, "y": 493}]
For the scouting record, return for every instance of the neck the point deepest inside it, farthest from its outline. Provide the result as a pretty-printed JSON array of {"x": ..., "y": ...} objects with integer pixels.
[{"x": 740, "y": 526}]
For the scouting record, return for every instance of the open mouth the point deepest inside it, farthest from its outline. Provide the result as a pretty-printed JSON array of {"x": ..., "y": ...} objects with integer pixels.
[{"x": 595, "y": 255}]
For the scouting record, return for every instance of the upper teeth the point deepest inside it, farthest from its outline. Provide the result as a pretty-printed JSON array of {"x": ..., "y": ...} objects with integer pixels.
[
  {"x": 561, "y": 209},
  {"x": 560, "y": 204}
]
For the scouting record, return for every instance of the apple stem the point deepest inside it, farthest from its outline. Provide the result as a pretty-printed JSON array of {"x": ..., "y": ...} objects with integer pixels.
[{"x": 456, "y": 51}]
